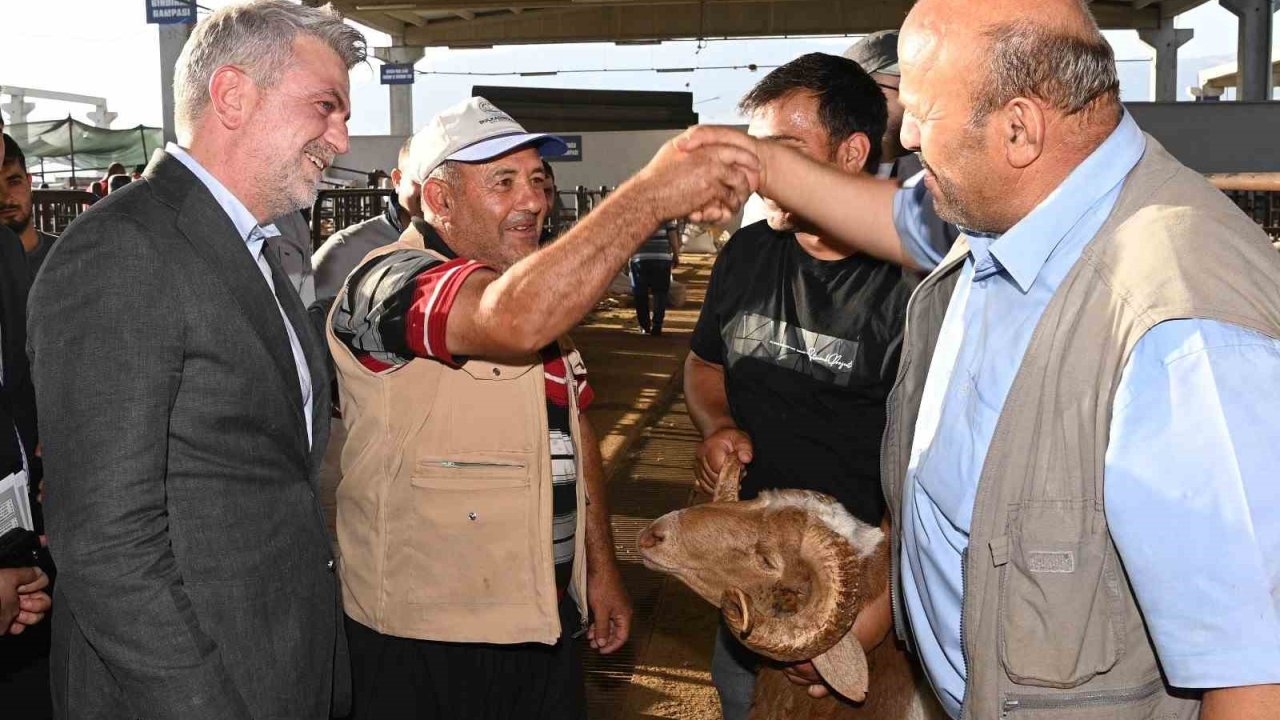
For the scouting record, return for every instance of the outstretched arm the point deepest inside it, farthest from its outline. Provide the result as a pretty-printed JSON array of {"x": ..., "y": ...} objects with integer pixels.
[
  {"x": 544, "y": 295},
  {"x": 856, "y": 210}
]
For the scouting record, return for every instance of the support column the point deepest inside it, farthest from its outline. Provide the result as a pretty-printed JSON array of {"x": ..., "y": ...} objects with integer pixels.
[
  {"x": 172, "y": 38},
  {"x": 1165, "y": 40},
  {"x": 1255, "y": 46},
  {"x": 18, "y": 109},
  {"x": 401, "y": 95},
  {"x": 101, "y": 117}
]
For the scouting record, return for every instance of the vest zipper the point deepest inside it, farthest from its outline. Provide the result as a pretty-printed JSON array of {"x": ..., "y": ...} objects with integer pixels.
[
  {"x": 895, "y": 515},
  {"x": 462, "y": 465},
  {"x": 1013, "y": 703},
  {"x": 895, "y": 571},
  {"x": 964, "y": 643}
]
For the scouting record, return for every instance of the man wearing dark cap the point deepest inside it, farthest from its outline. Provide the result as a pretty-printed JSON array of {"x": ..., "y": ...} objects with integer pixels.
[
  {"x": 914, "y": 216},
  {"x": 877, "y": 53},
  {"x": 472, "y": 521}
]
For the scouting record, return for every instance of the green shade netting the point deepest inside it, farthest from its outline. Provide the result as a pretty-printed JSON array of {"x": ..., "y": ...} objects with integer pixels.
[{"x": 92, "y": 147}]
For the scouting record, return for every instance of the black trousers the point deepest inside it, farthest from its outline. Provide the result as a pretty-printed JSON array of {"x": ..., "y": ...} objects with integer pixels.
[
  {"x": 397, "y": 678},
  {"x": 650, "y": 277},
  {"x": 24, "y": 674}
]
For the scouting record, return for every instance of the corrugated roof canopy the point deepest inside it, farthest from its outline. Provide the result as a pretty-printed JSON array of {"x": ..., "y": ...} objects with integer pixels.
[{"x": 463, "y": 23}]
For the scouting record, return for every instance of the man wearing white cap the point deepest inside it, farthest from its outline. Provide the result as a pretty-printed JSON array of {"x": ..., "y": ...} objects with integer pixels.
[{"x": 474, "y": 536}]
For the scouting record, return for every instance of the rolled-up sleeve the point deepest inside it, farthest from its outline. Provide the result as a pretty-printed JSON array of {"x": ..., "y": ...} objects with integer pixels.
[
  {"x": 396, "y": 307},
  {"x": 1193, "y": 501}
]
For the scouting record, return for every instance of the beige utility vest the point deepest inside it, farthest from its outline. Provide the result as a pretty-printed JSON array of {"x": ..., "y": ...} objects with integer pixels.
[
  {"x": 1049, "y": 624},
  {"x": 444, "y": 509}
]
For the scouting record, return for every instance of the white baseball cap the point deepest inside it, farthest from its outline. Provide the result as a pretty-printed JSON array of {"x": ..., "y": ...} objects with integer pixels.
[{"x": 474, "y": 130}]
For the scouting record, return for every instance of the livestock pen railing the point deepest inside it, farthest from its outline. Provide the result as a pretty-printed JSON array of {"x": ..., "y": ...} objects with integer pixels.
[
  {"x": 1257, "y": 194},
  {"x": 53, "y": 210},
  {"x": 336, "y": 210}
]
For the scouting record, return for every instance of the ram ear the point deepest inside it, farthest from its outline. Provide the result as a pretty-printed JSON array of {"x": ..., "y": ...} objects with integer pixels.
[{"x": 844, "y": 668}]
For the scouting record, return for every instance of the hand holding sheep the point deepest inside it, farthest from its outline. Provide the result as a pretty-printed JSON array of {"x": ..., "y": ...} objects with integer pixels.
[
  {"x": 797, "y": 579},
  {"x": 712, "y": 453}
]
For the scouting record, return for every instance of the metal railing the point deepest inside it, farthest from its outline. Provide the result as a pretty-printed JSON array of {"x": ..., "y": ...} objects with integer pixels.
[
  {"x": 1257, "y": 194},
  {"x": 53, "y": 210},
  {"x": 336, "y": 210}
]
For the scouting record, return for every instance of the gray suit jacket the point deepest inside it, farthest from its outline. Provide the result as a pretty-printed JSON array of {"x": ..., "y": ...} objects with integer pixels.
[
  {"x": 196, "y": 576},
  {"x": 293, "y": 249}
]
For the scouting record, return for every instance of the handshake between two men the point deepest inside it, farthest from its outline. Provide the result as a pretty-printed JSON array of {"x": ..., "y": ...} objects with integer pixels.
[{"x": 705, "y": 175}]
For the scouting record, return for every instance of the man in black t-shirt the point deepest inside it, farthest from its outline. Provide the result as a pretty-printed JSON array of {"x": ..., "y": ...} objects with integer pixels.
[{"x": 797, "y": 344}]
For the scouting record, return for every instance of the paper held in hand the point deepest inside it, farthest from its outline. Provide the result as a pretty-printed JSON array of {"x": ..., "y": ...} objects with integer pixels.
[{"x": 15, "y": 503}]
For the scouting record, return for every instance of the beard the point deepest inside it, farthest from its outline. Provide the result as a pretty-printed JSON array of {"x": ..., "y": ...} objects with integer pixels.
[
  {"x": 287, "y": 181},
  {"x": 953, "y": 203},
  {"x": 20, "y": 222}
]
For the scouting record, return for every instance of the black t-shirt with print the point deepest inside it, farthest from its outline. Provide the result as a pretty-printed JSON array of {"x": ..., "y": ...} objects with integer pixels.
[{"x": 810, "y": 350}]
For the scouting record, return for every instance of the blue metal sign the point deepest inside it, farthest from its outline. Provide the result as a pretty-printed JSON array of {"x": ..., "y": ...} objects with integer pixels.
[
  {"x": 398, "y": 74},
  {"x": 171, "y": 12},
  {"x": 574, "y": 152}
]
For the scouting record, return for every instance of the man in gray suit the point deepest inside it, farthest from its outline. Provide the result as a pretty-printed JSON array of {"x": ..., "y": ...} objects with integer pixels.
[{"x": 184, "y": 399}]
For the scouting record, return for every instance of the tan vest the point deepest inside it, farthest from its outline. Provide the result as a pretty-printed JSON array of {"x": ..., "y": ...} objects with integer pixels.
[
  {"x": 1049, "y": 625},
  {"x": 444, "y": 509}
]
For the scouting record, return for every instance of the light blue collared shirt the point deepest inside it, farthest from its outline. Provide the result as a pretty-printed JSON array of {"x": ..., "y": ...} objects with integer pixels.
[
  {"x": 1192, "y": 499},
  {"x": 255, "y": 236}
]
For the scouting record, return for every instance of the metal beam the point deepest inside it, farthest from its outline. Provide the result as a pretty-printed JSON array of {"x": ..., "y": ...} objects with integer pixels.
[
  {"x": 379, "y": 21},
  {"x": 453, "y": 6},
  {"x": 478, "y": 22},
  {"x": 743, "y": 18},
  {"x": 409, "y": 18}
]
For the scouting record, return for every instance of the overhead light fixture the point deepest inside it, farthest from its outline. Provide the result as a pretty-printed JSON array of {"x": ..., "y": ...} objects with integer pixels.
[
  {"x": 675, "y": 70},
  {"x": 540, "y": 73},
  {"x": 637, "y": 42}
]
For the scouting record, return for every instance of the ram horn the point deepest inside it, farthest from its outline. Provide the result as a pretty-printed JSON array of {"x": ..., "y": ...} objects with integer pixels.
[
  {"x": 821, "y": 622},
  {"x": 730, "y": 480}
]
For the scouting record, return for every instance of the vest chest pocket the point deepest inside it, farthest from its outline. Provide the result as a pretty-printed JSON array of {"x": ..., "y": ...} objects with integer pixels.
[
  {"x": 1060, "y": 595},
  {"x": 469, "y": 535},
  {"x": 491, "y": 407}
]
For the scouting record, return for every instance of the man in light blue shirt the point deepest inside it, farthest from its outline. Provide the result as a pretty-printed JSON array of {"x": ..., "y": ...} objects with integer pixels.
[{"x": 1191, "y": 500}]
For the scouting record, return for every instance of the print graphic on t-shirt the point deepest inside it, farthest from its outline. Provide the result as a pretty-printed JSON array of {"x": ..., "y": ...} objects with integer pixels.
[{"x": 822, "y": 357}]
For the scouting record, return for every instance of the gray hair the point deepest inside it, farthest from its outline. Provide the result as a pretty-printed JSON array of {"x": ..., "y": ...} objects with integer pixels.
[
  {"x": 257, "y": 37},
  {"x": 1068, "y": 71},
  {"x": 447, "y": 172}
]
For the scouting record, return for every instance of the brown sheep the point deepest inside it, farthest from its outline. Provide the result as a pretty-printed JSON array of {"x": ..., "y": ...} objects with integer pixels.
[{"x": 790, "y": 571}]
